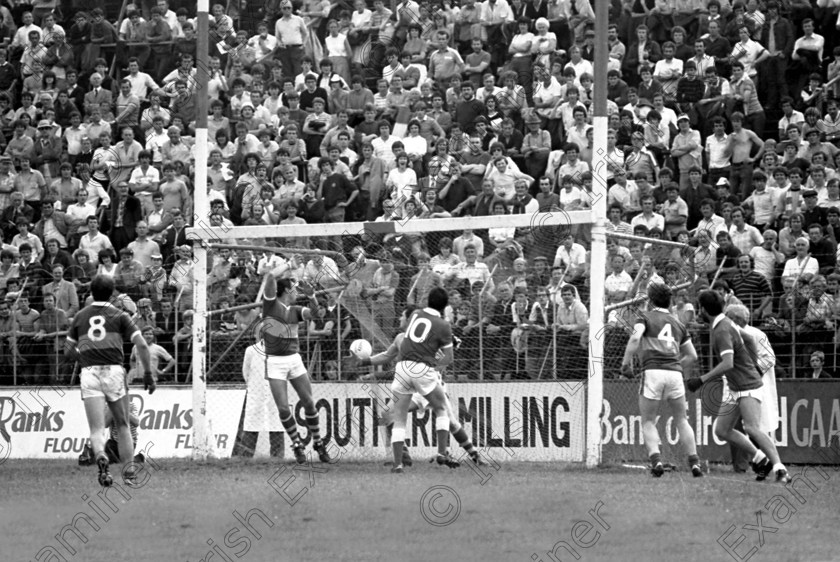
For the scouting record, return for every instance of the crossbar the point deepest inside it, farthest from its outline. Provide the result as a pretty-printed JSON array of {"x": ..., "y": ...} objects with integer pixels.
[
  {"x": 634, "y": 300},
  {"x": 271, "y": 249},
  {"x": 646, "y": 240},
  {"x": 203, "y": 231}
]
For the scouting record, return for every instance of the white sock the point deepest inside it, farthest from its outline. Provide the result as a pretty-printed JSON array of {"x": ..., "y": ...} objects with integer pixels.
[
  {"x": 778, "y": 466},
  {"x": 759, "y": 456}
]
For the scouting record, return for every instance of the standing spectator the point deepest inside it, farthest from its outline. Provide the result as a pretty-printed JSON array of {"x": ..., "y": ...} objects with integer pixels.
[
  {"x": 126, "y": 212},
  {"x": 571, "y": 322},
  {"x": 94, "y": 241},
  {"x": 129, "y": 275},
  {"x": 63, "y": 291},
  {"x": 291, "y": 33},
  {"x": 260, "y": 409}
]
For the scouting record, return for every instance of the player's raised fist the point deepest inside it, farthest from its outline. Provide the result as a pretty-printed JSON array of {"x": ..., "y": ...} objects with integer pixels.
[
  {"x": 694, "y": 384},
  {"x": 149, "y": 383}
]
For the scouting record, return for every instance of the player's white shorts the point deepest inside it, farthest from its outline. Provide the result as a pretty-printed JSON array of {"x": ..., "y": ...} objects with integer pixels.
[
  {"x": 659, "y": 384},
  {"x": 730, "y": 396},
  {"x": 284, "y": 367},
  {"x": 411, "y": 377},
  {"x": 423, "y": 404},
  {"x": 108, "y": 381}
]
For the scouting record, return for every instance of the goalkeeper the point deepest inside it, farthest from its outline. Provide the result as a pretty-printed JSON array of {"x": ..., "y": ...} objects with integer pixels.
[{"x": 418, "y": 403}]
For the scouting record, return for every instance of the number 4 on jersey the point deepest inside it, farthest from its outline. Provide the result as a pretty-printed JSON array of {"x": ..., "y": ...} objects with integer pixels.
[{"x": 665, "y": 334}]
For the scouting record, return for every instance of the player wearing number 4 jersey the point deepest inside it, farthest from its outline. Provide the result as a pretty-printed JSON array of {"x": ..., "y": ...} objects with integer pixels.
[
  {"x": 427, "y": 333},
  {"x": 279, "y": 329},
  {"x": 665, "y": 351},
  {"x": 96, "y": 339}
]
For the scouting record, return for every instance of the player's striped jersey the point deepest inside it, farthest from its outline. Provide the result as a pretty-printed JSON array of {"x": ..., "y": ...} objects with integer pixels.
[
  {"x": 726, "y": 338},
  {"x": 99, "y": 331},
  {"x": 660, "y": 345},
  {"x": 279, "y": 327},
  {"x": 427, "y": 333}
]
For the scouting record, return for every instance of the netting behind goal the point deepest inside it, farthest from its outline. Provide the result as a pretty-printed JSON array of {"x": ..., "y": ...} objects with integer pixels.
[{"x": 519, "y": 383}]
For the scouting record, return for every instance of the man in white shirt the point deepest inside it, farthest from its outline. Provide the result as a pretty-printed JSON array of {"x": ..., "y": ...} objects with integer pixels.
[
  {"x": 767, "y": 256},
  {"x": 21, "y": 38},
  {"x": 710, "y": 222},
  {"x": 571, "y": 255},
  {"x": 718, "y": 158},
  {"x": 262, "y": 43},
  {"x": 789, "y": 117},
  {"x": 145, "y": 181},
  {"x": 141, "y": 83},
  {"x": 763, "y": 201},
  {"x": 810, "y": 41},
  {"x": 619, "y": 282},
  {"x": 170, "y": 17},
  {"x": 745, "y": 237},
  {"x": 291, "y": 34},
  {"x": 647, "y": 217},
  {"x": 471, "y": 269},
  {"x": 668, "y": 71}
]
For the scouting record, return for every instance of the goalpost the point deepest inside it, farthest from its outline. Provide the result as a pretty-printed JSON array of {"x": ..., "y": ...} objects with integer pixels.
[
  {"x": 208, "y": 240},
  {"x": 203, "y": 235}
]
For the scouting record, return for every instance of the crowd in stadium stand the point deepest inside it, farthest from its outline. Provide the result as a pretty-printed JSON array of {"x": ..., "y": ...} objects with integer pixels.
[{"x": 723, "y": 134}]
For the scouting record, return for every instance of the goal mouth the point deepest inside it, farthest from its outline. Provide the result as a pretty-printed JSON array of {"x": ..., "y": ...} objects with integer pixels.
[
  {"x": 504, "y": 283},
  {"x": 497, "y": 271}
]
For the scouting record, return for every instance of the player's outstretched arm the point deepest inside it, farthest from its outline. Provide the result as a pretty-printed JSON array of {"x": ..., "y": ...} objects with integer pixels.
[
  {"x": 145, "y": 361},
  {"x": 689, "y": 355},
  {"x": 447, "y": 356},
  {"x": 727, "y": 361},
  {"x": 387, "y": 356},
  {"x": 632, "y": 346},
  {"x": 270, "y": 291}
]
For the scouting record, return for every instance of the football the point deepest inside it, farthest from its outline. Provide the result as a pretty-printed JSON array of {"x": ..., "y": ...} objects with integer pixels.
[{"x": 361, "y": 349}]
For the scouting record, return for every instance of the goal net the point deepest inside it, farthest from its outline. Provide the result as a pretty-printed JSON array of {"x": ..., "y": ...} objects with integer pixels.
[{"x": 519, "y": 308}]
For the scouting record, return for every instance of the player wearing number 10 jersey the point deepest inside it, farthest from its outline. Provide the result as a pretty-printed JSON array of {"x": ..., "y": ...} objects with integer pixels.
[
  {"x": 96, "y": 339},
  {"x": 665, "y": 351},
  {"x": 427, "y": 333}
]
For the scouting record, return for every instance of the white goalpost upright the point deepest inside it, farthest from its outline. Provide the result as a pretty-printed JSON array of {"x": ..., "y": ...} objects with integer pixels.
[
  {"x": 598, "y": 255},
  {"x": 202, "y": 434}
]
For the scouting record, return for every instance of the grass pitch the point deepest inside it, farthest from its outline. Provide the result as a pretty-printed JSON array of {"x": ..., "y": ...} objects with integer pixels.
[{"x": 263, "y": 510}]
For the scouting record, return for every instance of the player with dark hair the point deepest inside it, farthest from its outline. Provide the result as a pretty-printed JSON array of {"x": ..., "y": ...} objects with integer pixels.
[
  {"x": 279, "y": 329},
  {"x": 427, "y": 334},
  {"x": 737, "y": 350},
  {"x": 665, "y": 351},
  {"x": 95, "y": 339},
  {"x": 418, "y": 403}
]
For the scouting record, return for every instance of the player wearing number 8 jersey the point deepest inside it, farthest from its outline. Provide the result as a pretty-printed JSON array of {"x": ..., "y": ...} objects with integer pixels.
[
  {"x": 427, "y": 333},
  {"x": 665, "y": 351},
  {"x": 95, "y": 339},
  {"x": 279, "y": 330}
]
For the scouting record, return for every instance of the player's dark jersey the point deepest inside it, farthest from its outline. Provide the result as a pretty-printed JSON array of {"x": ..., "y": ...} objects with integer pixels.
[
  {"x": 426, "y": 334},
  {"x": 660, "y": 344},
  {"x": 99, "y": 331},
  {"x": 726, "y": 338},
  {"x": 279, "y": 327}
]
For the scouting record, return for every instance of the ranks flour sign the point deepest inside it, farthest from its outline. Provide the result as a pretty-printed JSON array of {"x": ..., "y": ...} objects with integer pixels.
[{"x": 50, "y": 422}]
